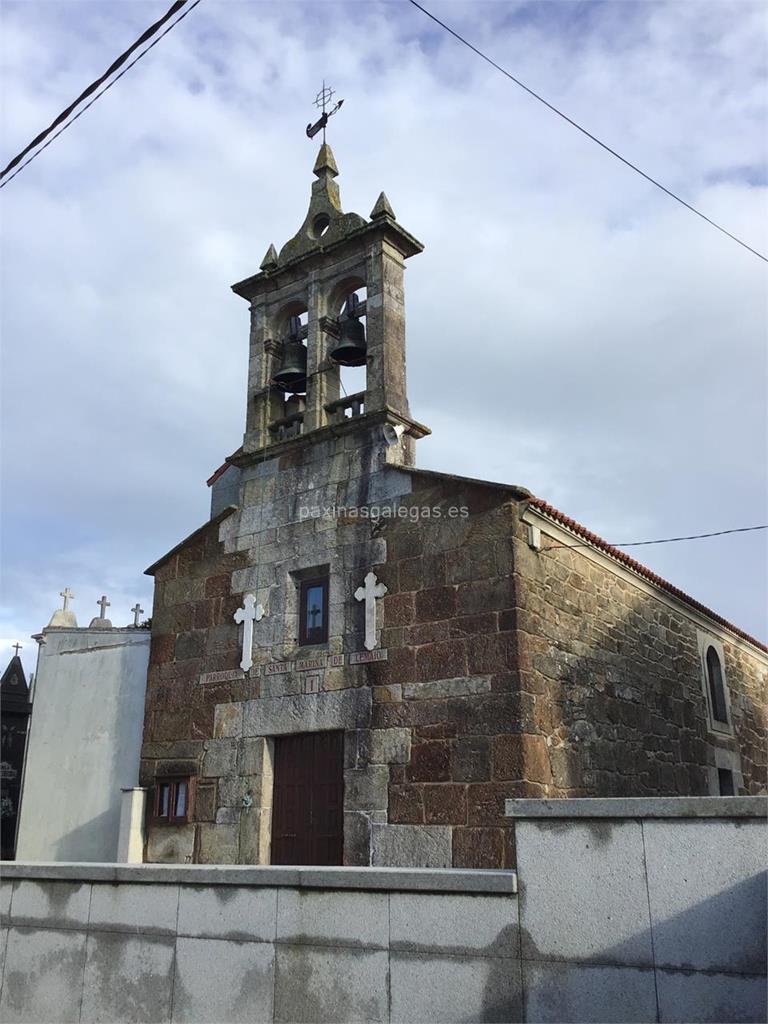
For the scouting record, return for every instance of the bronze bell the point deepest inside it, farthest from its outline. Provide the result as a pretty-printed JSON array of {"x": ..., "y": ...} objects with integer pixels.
[
  {"x": 292, "y": 375},
  {"x": 351, "y": 348},
  {"x": 295, "y": 404}
]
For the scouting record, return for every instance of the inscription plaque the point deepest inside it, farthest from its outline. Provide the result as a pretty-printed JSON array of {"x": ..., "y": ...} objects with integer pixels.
[
  {"x": 361, "y": 657},
  {"x": 304, "y": 664},
  {"x": 222, "y": 677}
]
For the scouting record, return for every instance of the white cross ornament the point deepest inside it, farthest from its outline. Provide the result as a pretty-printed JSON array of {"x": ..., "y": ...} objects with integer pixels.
[
  {"x": 103, "y": 604},
  {"x": 371, "y": 590},
  {"x": 66, "y": 594},
  {"x": 248, "y": 614},
  {"x": 137, "y": 611}
]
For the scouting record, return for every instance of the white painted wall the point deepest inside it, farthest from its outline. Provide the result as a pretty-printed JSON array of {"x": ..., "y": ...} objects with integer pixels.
[{"x": 84, "y": 742}]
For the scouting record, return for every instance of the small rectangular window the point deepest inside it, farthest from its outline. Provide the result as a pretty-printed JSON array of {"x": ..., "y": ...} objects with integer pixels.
[
  {"x": 313, "y": 612},
  {"x": 725, "y": 779},
  {"x": 171, "y": 801}
]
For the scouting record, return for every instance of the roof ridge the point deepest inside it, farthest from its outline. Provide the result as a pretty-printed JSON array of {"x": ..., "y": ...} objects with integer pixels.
[{"x": 640, "y": 569}]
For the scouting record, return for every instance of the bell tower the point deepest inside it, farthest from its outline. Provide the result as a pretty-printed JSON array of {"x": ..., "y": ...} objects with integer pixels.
[{"x": 332, "y": 297}]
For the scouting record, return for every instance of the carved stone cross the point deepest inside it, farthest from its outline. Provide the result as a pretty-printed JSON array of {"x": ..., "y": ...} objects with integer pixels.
[
  {"x": 368, "y": 593},
  {"x": 248, "y": 614},
  {"x": 67, "y": 595},
  {"x": 103, "y": 604},
  {"x": 137, "y": 611}
]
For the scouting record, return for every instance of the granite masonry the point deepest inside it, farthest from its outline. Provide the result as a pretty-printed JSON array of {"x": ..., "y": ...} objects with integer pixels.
[{"x": 510, "y": 653}]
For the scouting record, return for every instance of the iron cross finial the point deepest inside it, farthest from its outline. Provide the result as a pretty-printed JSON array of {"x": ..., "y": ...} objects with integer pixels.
[
  {"x": 17, "y": 647},
  {"x": 322, "y": 100}
]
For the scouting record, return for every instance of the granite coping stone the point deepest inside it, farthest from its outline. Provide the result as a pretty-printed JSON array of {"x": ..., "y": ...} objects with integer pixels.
[
  {"x": 395, "y": 879},
  {"x": 642, "y": 807}
]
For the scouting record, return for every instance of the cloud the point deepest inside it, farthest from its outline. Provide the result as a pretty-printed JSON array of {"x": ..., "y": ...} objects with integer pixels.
[{"x": 570, "y": 328}]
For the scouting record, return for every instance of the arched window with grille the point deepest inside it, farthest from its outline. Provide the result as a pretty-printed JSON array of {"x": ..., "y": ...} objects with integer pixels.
[{"x": 716, "y": 686}]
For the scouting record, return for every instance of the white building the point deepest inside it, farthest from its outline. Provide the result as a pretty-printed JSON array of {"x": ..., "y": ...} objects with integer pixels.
[{"x": 84, "y": 739}]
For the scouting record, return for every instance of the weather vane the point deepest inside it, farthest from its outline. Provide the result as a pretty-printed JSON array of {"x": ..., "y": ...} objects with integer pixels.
[{"x": 322, "y": 100}]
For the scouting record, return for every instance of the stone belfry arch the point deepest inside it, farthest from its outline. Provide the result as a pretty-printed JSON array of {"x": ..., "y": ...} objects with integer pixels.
[{"x": 302, "y": 290}]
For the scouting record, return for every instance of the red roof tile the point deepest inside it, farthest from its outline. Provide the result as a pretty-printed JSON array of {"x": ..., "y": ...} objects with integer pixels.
[
  {"x": 222, "y": 468},
  {"x": 639, "y": 568}
]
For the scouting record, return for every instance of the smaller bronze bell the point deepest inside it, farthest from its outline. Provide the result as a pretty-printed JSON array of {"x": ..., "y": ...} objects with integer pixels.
[
  {"x": 295, "y": 404},
  {"x": 292, "y": 375},
  {"x": 351, "y": 348}
]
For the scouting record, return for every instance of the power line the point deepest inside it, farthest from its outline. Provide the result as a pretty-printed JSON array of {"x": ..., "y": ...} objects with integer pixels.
[
  {"x": 584, "y": 131},
  {"x": 665, "y": 540},
  {"x": 152, "y": 30}
]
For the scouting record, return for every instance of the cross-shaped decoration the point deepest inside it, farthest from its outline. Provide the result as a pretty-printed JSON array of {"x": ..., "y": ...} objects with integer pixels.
[
  {"x": 368, "y": 593},
  {"x": 17, "y": 647},
  {"x": 67, "y": 595},
  {"x": 314, "y": 613},
  {"x": 137, "y": 611},
  {"x": 103, "y": 604},
  {"x": 321, "y": 100},
  {"x": 248, "y": 614}
]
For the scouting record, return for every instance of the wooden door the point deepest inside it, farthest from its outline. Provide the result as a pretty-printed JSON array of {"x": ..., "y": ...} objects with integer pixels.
[{"x": 308, "y": 800}]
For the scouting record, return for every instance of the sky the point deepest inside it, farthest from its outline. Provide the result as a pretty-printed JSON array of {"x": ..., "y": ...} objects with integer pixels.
[{"x": 570, "y": 328}]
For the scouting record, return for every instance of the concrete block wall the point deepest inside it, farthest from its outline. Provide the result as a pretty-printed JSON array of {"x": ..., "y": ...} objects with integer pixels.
[
  {"x": 107, "y": 943},
  {"x": 642, "y": 909},
  {"x": 628, "y": 910}
]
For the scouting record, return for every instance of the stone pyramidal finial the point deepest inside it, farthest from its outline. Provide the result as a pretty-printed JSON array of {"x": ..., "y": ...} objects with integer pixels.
[
  {"x": 326, "y": 162},
  {"x": 382, "y": 208},
  {"x": 270, "y": 260},
  {"x": 325, "y": 222}
]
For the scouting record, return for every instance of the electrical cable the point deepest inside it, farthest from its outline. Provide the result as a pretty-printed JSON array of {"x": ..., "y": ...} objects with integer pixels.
[
  {"x": 588, "y": 134},
  {"x": 94, "y": 85},
  {"x": 664, "y": 540}
]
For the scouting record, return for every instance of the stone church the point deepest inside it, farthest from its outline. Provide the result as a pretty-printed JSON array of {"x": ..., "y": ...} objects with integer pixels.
[
  {"x": 356, "y": 661},
  {"x": 15, "y": 710}
]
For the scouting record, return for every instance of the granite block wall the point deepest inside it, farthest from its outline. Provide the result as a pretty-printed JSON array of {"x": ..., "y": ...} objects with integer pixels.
[
  {"x": 510, "y": 671},
  {"x": 614, "y": 669},
  {"x": 624, "y": 913}
]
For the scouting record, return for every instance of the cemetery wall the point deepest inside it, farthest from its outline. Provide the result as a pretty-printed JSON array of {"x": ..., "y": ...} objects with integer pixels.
[
  {"x": 634, "y": 911},
  {"x": 84, "y": 742}
]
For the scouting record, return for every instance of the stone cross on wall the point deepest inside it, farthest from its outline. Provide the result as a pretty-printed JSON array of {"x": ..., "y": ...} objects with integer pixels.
[
  {"x": 103, "y": 604},
  {"x": 67, "y": 595},
  {"x": 248, "y": 614},
  {"x": 137, "y": 611},
  {"x": 371, "y": 590}
]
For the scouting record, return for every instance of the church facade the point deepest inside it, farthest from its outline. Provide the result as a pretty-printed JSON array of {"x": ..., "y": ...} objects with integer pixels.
[{"x": 356, "y": 661}]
